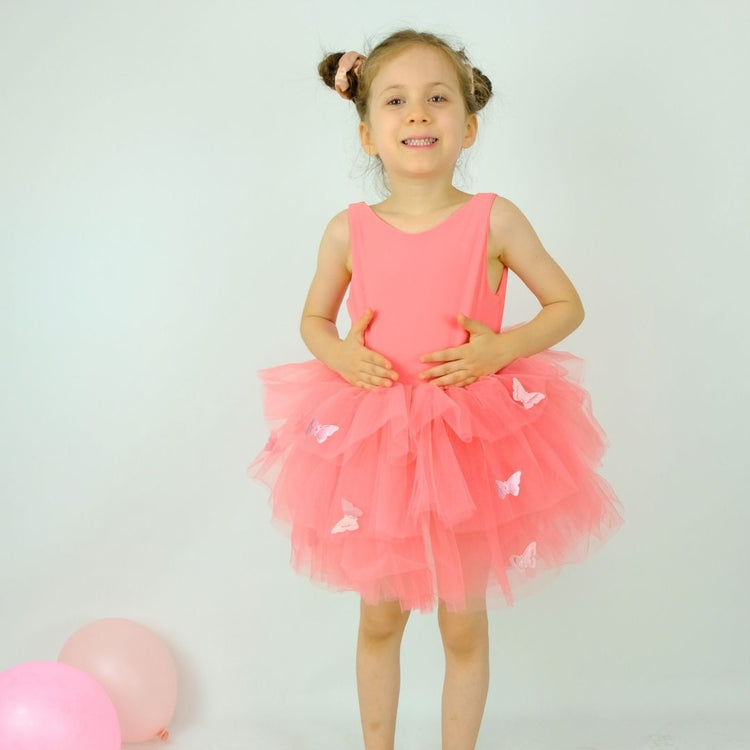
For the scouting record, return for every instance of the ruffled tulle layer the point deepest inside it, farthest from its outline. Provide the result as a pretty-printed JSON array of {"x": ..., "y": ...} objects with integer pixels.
[{"x": 477, "y": 494}]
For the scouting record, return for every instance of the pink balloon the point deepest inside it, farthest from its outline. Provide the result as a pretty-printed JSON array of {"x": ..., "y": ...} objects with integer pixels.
[
  {"x": 45, "y": 705},
  {"x": 135, "y": 667}
]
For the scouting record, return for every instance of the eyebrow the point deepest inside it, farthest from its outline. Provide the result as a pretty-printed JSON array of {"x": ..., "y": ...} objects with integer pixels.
[{"x": 402, "y": 85}]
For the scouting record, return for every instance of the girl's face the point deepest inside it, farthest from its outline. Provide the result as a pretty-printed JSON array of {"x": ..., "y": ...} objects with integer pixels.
[{"x": 416, "y": 95}]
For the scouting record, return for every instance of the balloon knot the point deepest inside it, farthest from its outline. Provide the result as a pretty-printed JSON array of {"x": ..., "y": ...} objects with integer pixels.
[{"x": 163, "y": 734}]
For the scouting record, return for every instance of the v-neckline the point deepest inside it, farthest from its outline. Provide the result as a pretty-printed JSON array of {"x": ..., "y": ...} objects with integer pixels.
[{"x": 424, "y": 231}]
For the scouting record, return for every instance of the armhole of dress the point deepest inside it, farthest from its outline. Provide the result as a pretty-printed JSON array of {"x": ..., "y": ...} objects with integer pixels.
[
  {"x": 500, "y": 292},
  {"x": 351, "y": 217},
  {"x": 503, "y": 281},
  {"x": 353, "y": 213}
]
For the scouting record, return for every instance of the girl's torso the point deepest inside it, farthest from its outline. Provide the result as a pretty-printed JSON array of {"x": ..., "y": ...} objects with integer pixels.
[
  {"x": 495, "y": 266},
  {"x": 417, "y": 282}
]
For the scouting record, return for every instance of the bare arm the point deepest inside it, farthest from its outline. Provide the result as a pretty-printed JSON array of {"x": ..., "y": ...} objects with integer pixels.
[
  {"x": 522, "y": 251},
  {"x": 327, "y": 289}
]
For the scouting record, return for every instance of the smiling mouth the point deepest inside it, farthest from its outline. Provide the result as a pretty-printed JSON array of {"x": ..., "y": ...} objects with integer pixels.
[{"x": 419, "y": 141}]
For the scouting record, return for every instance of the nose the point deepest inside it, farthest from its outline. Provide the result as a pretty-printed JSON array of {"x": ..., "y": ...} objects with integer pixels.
[{"x": 418, "y": 113}]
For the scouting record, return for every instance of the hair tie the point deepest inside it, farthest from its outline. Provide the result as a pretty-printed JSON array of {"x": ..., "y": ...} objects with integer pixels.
[{"x": 349, "y": 61}]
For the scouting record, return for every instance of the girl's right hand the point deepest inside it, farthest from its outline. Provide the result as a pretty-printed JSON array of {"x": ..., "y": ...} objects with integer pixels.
[{"x": 359, "y": 365}]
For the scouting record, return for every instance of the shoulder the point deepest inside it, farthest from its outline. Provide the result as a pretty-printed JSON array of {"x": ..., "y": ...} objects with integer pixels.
[
  {"x": 506, "y": 219},
  {"x": 338, "y": 227},
  {"x": 334, "y": 245}
]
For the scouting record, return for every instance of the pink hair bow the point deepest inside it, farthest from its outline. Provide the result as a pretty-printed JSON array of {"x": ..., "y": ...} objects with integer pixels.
[{"x": 349, "y": 61}]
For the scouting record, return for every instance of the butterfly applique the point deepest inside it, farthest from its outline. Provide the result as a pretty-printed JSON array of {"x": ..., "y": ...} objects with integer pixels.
[
  {"x": 527, "y": 398},
  {"x": 349, "y": 521},
  {"x": 510, "y": 486},
  {"x": 321, "y": 432},
  {"x": 525, "y": 560}
]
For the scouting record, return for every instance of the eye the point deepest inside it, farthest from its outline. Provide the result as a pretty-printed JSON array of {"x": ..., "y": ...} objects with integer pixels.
[{"x": 434, "y": 96}]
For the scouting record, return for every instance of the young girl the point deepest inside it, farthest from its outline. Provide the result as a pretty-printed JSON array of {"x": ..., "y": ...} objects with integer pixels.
[{"x": 428, "y": 454}]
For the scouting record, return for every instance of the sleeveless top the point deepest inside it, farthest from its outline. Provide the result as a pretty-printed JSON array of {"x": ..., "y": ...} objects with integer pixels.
[{"x": 416, "y": 283}]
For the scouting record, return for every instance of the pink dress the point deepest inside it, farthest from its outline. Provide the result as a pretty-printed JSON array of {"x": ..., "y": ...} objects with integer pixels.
[{"x": 474, "y": 494}]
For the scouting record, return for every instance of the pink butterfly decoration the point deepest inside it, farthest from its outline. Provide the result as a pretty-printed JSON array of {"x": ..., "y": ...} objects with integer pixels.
[
  {"x": 320, "y": 432},
  {"x": 510, "y": 486},
  {"x": 349, "y": 521},
  {"x": 527, "y": 398},
  {"x": 525, "y": 560}
]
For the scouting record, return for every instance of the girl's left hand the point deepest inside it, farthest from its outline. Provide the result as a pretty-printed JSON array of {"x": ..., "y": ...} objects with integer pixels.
[{"x": 462, "y": 365}]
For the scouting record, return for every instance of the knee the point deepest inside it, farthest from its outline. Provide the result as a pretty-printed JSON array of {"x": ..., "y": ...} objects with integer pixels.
[
  {"x": 381, "y": 621},
  {"x": 463, "y": 633}
]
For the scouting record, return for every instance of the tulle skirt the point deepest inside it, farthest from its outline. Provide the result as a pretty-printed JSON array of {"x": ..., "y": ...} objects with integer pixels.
[{"x": 476, "y": 495}]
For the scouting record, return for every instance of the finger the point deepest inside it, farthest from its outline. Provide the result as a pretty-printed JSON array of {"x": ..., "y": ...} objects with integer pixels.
[
  {"x": 374, "y": 382},
  {"x": 472, "y": 325},
  {"x": 376, "y": 378},
  {"x": 440, "y": 356},
  {"x": 385, "y": 369},
  {"x": 454, "y": 378},
  {"x": 369, "y": 381},
  {"x": 444, "y": 355},
  {"x": 376, "y": 362},
  {"x": 381, "y": 373},
  {"x": 433, "y": 372},
  {"x": 387, "y": 373},
  {"x": 444, "y": 380},
  {"x": 467, "y": 321},
  {"x": 370, "y": 372},
  {"x": 362, "y": 321}
]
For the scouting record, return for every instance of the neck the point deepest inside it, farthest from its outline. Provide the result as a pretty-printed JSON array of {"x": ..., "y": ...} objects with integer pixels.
[{"x": 421, "y": 196}]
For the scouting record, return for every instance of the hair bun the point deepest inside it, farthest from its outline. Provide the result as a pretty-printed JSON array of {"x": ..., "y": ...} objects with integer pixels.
[
  {"x": 327, "y": 69},
  {"x": 482, "y": 88}
]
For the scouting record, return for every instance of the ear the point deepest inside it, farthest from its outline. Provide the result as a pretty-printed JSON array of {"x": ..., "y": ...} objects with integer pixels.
[
  {"x": 470, "y": 133},
  {"x": 366, "y": 140}
]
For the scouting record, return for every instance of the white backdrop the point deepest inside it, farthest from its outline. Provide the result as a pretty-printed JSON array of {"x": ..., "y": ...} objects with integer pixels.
[{"x": 166, "y": 172}]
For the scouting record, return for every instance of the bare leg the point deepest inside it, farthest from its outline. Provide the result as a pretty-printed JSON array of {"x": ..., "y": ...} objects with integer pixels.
[
  {"x": 381, "y": 628},
  {"x": 467, "y": 676}
]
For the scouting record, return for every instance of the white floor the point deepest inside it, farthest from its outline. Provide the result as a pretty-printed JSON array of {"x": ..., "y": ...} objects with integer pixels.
[{"x": 689, "y": 732}]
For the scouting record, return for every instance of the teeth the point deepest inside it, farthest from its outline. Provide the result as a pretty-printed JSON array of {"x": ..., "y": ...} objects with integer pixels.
[{"x": 419, "y": 141}]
